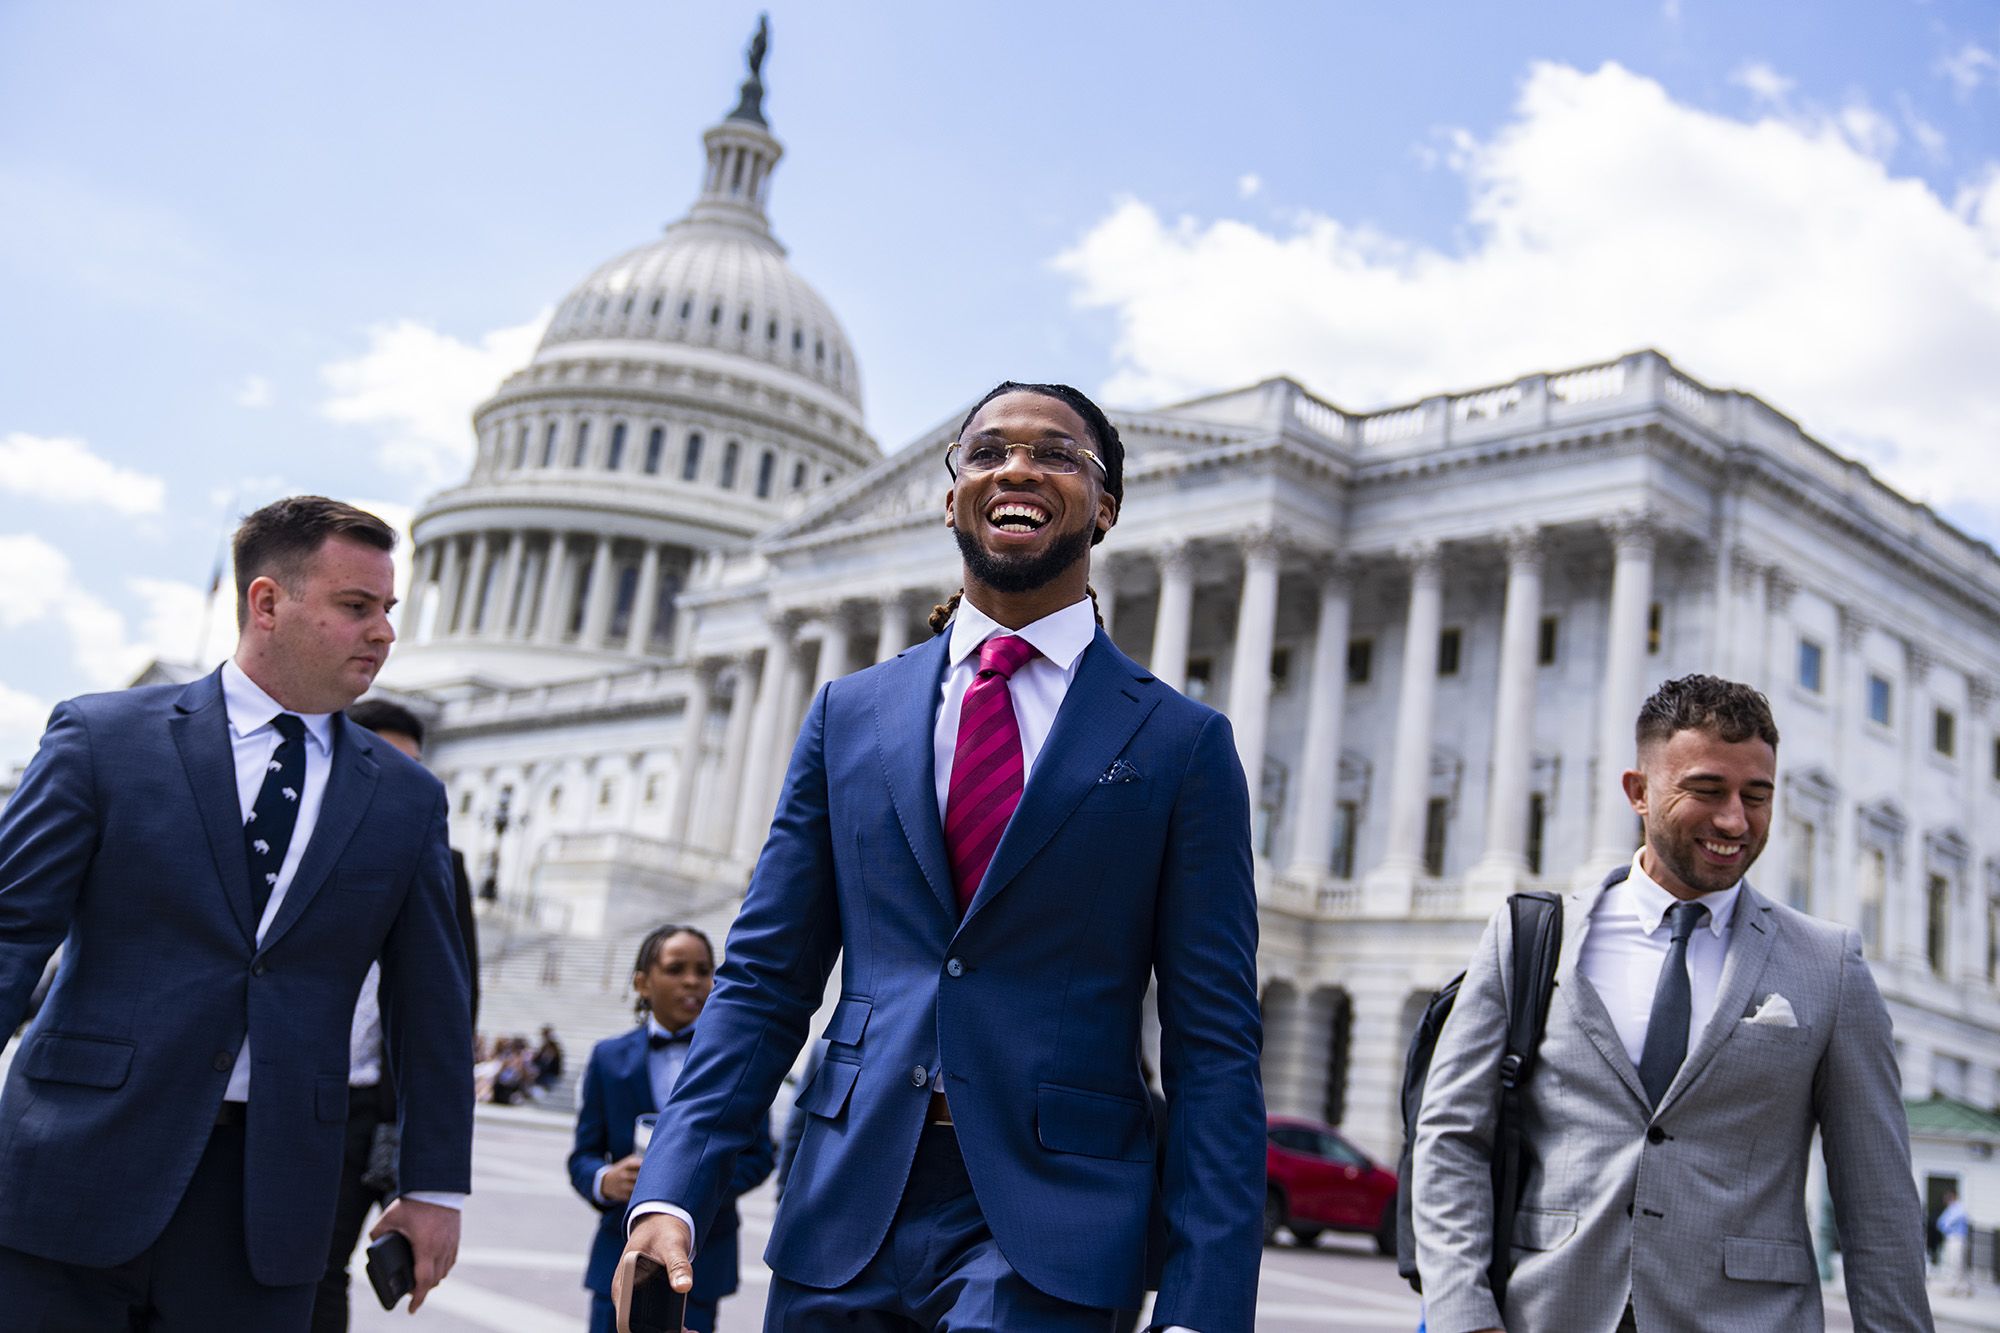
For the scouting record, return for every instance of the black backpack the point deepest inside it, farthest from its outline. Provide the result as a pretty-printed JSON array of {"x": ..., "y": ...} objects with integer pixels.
[{"x": 1537, "y": 919}]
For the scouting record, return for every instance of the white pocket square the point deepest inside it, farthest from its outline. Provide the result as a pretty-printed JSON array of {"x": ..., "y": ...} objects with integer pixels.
[{"x": 1775, "y": 1011}]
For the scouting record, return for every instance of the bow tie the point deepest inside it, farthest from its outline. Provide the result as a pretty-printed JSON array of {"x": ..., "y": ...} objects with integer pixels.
[{"x": 658, "y": 1040}]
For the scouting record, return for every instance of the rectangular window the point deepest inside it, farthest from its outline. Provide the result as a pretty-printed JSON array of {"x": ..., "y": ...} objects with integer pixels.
[
  {"x": 1436, "y": 815},
  {"x": 1993, "y": 941},
  {"x": 1449, "y": 643},
  {"x": 549, "y": 446},
  {"x": 731, "y": 452},
  {"x": 1361, "y": 664},
  {"x": 691, "y": 457},
  {"x": 1996, "y": 759},
  {"x": 798, "y": 476},
  {"x": 656, "y": 442},
  {"x": 1878, "y": 700},
  {"x": 1346, "y": 818},
  {"x": 582, "y": 444},
  {"x": 1812, "y": 666},
  {"x": 1538, "y": 818},
  {"x": 767, "y": 464},
  {"x": 1546, "y": 640},
  {"x": 1656, "y": 619},
  {"x": 1281, "y": 668},
  {"x": 615, "y": 458},
  {"x": 1944, "y": 732},
  {"x": 1200, "y": 675},
  {"x": 1937, "y": 922}
]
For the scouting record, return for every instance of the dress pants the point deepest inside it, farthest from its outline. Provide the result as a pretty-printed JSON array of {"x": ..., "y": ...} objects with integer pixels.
[
  {"x": 938, "y": 1271},
  {"x": 194, "y": 1279},
  {"x": 604, "y": 1315},
  {"x": 365, "y": 1110}
]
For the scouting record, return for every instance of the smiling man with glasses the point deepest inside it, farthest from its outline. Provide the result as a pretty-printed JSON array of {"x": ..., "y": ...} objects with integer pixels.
[{"x": 1004, "y": 834}]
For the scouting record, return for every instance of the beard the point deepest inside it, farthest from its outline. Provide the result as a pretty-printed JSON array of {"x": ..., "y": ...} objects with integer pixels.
[
  {"x": 1683, "y": 860},
  {"x": 1023, "y": 573}
]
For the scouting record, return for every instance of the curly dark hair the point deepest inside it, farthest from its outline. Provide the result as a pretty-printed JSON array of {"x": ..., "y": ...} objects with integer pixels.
[
  {"x": 1103, "y": 434},
  {"x": 1725, "y": 708},
  {"x": 649, "y": 950}
]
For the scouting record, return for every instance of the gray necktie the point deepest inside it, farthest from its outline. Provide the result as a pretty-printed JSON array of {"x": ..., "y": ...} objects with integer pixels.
[{"x": 1667, "y": 1029}]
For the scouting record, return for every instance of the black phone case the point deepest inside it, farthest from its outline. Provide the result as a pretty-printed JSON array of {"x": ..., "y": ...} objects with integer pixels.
[
  {"x": 392, "y": 1268},
  {"x": 656, "y": 1306}
]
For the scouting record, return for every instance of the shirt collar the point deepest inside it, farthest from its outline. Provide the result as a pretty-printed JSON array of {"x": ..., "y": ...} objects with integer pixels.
[
  {"x": 1060, "y": 636},
  {"x": 655, "y": 1028},
  {"x": 1649, "y": 902},
  {"x": 250, "y": 709}
]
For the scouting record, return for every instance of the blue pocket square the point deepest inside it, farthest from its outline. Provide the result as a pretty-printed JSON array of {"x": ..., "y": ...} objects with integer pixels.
[{"x": 1120, "y": 771}]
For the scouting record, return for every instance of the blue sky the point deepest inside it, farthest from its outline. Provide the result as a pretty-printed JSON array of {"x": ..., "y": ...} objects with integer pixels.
[{"x": 255, "y": 248}]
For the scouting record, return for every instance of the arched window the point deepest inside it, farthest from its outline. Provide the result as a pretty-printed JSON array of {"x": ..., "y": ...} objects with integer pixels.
[
  {"x": 549, "y": 446},
  {"x": 655, "y": 442},
  {"x": 656, "y": 306},
  {"x": 715, "y": 314},
  {"x": 766, "y": 465},
  {"x": 582, "y": 444},
  {"x": 731, "y": 452},
  {"x": 521, "y": 446},
  {"x": 691, "y": 457},
  {"x": 615, "y": 458},
  {"x": 799, "y": 476}
]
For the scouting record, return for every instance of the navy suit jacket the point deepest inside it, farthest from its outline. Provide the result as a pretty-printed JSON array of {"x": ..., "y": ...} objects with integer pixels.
[
  {"x": 1108, "y": 874},
  {"x": 126, "y": 838},
  {"x": 617, "y": 1090}
]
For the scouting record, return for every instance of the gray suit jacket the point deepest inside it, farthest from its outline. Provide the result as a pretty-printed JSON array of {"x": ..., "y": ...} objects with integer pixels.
[{"x": 1695, "y": 1213}]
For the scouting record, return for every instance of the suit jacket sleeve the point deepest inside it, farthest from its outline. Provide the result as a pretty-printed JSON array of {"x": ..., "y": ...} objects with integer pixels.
[
  {"x": 753, "y": 1164},
  {"x": 1857, "y": 1096},
  {"x": 591, "y": 1150},
  {"x": 1452, "y": 1165},
  {"x": 48, "y": 834},
  {"x": 775, "y": 965},
  {"x": 427, "y": 1020},
  {"x": 1205, "y": 960}
]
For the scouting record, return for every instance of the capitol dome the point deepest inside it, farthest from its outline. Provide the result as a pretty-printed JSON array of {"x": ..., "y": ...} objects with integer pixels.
[{"x": 688, "y": 395}]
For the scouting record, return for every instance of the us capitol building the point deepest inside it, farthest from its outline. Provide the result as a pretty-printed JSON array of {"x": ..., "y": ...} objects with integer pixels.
[{"x": 1430, "y": 624}]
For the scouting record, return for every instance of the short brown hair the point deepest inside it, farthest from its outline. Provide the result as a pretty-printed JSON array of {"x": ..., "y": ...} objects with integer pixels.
[
  {"x": 1724, "y": 708},
  {"x": 278, "y": 540}
]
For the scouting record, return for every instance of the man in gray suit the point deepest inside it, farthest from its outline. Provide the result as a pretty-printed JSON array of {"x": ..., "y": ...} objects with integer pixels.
[{"x": 1698, "y": 1035}]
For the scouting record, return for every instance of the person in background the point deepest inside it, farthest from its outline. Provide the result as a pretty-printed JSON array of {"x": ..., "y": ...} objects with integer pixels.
[
  {"x": 629, "y": 1077},
  {"x": 371, "y": 1091},
  {"x": 1955, "y": 1254},
  {"x": 548, "y": 1059}
]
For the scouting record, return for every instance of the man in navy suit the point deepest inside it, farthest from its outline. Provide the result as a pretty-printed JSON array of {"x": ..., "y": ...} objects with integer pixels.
[
  {"x": 631, "y": 1075},
  {"x": 1005, "y": 834},
  {"x": 223, "y": 861}
]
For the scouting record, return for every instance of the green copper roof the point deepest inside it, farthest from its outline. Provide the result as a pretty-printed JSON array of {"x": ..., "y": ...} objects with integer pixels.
[{"x": 1945, "y": 1115}]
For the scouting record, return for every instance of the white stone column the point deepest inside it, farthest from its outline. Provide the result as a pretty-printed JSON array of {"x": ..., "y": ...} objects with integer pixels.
[
  {"x": 499, "y": 619},
  {"x": 645, "y": 601},
  {"x": 449, "y": 583},
  {"x": 753, "y": 809},
  {"x": 1909, "y": 935},
  {"x": 1975, "y": 754},
  {"x": 599, "y": 596},
  {"x": 835, "y": 643},
  {"x": 718, "y": 816},
  {"x": 1504, "y": 864},
  {"x": 555, "y": 578},
  {"x": 1847, "y": 680},
  {"x": 424, "y": 594},
  {"x": 1250, "y": 669},
  {"x": 473, "y": 608},
  {"x": 1104, "y": 580},
  {"x": 1326, "y": 706},
  {"x": 894, "y": 635},
  {"x": 1175, "y": 619},
  {"x": 1388, "y": 888},
  {"x": 1614, "y": 829},
  {"x": 694, "y": 722},
  {"x": 793, "y": 696}
]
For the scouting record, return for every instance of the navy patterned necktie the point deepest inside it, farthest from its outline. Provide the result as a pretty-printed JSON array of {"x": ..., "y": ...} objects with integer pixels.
[
  {"x": 1667, "y": 1030},
  {"x": 267, "y": 834}
]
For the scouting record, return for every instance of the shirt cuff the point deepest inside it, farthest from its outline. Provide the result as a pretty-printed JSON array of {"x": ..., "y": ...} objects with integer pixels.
[
  {"x": 443, "y": 1199},
  {"x": 597, "y": 1186},
  {"x": 647, "y": 1209}
]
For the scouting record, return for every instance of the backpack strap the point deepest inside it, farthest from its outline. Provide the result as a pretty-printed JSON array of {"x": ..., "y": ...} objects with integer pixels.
[{"x": 1537, "y": 931}]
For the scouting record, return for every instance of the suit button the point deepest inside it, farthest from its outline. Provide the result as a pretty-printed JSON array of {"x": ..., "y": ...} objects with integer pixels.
[
  {"x": 258, "y": 969},
  {"x": 919, "y": 1077},
  {"x": 954, "y": 968},
  {"x": 1656, "y": 1135},
  {"x": 223, "y": 1062}
]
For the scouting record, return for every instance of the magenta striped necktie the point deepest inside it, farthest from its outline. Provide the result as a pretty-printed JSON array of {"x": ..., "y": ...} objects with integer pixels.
[{"x": 986, "y": 765}]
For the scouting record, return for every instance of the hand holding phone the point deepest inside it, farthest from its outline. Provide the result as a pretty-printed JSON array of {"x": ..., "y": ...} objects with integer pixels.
[
  {"x": 647, "y": 1302},
  {"x": 392, "y": 1268}
]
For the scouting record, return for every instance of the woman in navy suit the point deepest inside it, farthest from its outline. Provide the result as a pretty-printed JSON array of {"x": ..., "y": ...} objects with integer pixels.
[{"x": 631, "y": 1076}]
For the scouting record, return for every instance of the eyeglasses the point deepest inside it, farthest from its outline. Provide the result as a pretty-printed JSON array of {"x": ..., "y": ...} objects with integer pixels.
[{"x": 1053, "y": 457}]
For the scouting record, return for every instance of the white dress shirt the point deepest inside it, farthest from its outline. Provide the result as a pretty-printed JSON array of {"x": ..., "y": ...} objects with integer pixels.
[
  {"x": 254, "y": 740},
  {"x": 1626, "y": 944},
  {"x": 364, "y": 1036}
]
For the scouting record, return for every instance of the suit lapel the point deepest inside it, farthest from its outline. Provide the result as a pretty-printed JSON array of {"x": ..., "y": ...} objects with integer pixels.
[
  {"x": 1102, "y": 709},
  {"x": 906, "y": 703},
  {"x": 1751, "y": 936},
  {"x": 349, "y": 787},
  {"x": 1585, "y": 1004},
  {"x": 201, "y": 733}
]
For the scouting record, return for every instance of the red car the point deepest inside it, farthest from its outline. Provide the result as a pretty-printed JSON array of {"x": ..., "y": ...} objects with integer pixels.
[{"x": 1318, "y": 1181}]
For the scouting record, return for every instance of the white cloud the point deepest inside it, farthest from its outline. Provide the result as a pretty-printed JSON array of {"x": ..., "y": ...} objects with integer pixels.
[
  {"x": 22, "y": 718},
  {"x": 1764, "y": 83},
  {"x": 416, "y": 388},
  {"x": 254, "y": 392},
  {"x": 42, "y": 587},
  {"x": 1778, "y": 254},
  {"x": 1248, "y": 184},
  {"x": 1968, "y": 67},
  {"x": 63, "y": 470}
]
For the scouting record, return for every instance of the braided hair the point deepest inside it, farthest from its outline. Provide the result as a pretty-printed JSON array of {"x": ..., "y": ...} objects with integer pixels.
[{"x": 649, "y": 952}]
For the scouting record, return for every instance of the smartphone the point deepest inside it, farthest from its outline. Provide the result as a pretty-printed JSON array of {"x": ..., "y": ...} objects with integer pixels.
[
  {"x": 655, "y": 1307},
  {"x": 392, "y": 1268}
]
